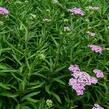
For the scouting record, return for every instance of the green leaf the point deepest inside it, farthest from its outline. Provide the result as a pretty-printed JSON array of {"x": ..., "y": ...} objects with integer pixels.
[
  {"x": 56, "y": 96},
  {"x": 36, "y": 85},
  {"x": 59, "y": 81},
  {"x": 53, "y": 94},
  {"x": 18, "y": 106},
  {"x": 7, "y": 94},
  {"x": 4, "y": 86},
  {"x": 28, "y": 96},
  {"x": 47, "y": 89},
  {"x": 16, "y": 76},
  {"x": 59, "y": 69},
  {"x": 32, "y": 100}
]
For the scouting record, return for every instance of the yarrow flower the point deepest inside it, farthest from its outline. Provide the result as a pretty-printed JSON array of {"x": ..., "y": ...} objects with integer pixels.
[
  {"x": 74, "y": 68},
  {"x": 76, "y": 86},
  {"x": 99, "y": 73},
  {"x": 94, "y": 80},
  {"x": 97, "y": 106},
  {"x": 49, "y": 103},
  {"x": 93, "y": 8},
  {"x": 80, "y": 79},
  {"x": 46, "y": 20},
  {"x": 90, "y": 33},
  {"x": 76, "y": 11},
  {"x": 106, "y": 48},
  {"x": 95, "y": 48},
  {"x": 3, "y": 11},
  {"x": 66, "y": 28}
]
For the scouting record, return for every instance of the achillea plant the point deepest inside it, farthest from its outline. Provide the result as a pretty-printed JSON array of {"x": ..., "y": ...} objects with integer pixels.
[
  {"x": 39, "y": 39},
  {"x": 80, "y": 79}
]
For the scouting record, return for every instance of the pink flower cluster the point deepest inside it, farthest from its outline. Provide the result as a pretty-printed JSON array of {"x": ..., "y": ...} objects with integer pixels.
[
  {"x": 3, "y": 11},
  {"x": 99, "y": 73},
  {"x": 74, "y": 68},
  {"x": 80, "y": 79},
  {"x": 97, "y": 106},
  {"x": 76, "y": 11},
  {"x": 95, "y": 48}
]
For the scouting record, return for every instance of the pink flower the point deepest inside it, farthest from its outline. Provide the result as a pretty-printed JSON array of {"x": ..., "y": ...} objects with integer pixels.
[
  {"x": 90, "y": 33},
  {"x": 79, "y": 92},
  {"x": 74, "y": 68},
  {"x": 93, "y": 80},
  {"x": 76, "y": 11},
  {"x": 97, "y": 106},
  {"x": 83, "y": 78},
  {"x": 99, "y": 73},
  {"x": 3, "y": 10},
  {"x": 78, "y": 87},
  {"x": 72, "y": 81},
  {"x": 80, "y": 79},
  {"x": 96, "y": 48}
]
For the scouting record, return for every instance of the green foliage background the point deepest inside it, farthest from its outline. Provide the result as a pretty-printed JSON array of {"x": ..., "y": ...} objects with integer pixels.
[{"x": 35, "y": 54}]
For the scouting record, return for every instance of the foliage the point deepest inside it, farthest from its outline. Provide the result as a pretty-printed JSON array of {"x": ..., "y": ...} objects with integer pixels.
[{"x": 36, "y": 51}]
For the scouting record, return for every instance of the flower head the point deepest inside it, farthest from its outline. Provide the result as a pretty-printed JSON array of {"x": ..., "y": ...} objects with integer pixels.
[
  {"x": 49, "y": 103},
  {"x": 66, "y": 28},
  {"x": 3, "y": 11},
  {"x": 97, "y": 106},
  {"x": 78, "y": 87},
  {"x": 90, "y": 33},
  {"x": 99, "y": 73},
  {"x": 46, "y": 20},
  {"x": 74, "y": 68},
  {"x": 106, "y": 48},
  {"x": 96, "y": 8},
  {"x": 80, "y": 79},
  {"x": 93, "y": 80},
  {"x": 76, "y": 11},
  {"x": 95, "y": 48}
]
